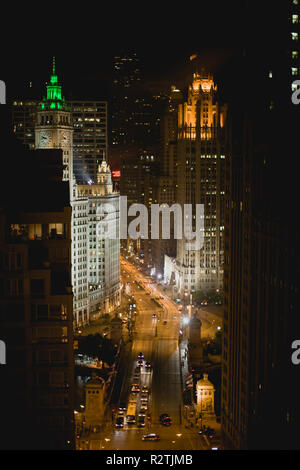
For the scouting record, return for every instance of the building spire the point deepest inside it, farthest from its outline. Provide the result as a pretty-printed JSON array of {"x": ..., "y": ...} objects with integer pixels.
[{"x": 54, "y": 99}]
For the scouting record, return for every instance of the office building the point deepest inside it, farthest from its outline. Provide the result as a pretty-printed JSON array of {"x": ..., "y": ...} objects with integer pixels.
[
  {"x": 200, "y": 180},
  {"x": 103, "y": 257},
  {"x": 89, "y": 138},
  {"x": 260, "y": 384},
  {"x": 36, "y": 308}
]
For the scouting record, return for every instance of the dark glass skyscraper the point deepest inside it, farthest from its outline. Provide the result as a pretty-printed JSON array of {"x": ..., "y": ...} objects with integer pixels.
[{"x": 260, "y": 384}]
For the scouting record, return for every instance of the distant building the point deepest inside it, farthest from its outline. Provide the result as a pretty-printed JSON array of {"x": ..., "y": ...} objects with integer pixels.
[
  {"x": 198, "y": 176},
  {"x": 166, "y": 185},
  {"x": 94, "y": 402},
  {"x": 89, "y": 138},
  {"x": 53, "y": 126},
  {"x": 103, "y": 257},
  {"x": 138, "y": 178},
  {"x": 205, "y": 391}
]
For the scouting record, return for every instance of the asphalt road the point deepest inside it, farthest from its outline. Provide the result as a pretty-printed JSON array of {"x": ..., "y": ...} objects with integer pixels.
[{"x": 159, "y": 344}]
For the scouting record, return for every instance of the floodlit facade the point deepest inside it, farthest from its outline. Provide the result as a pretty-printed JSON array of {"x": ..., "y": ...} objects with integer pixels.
[
  {"x": 103, "y": 242},
  {"x": 95, "y": 263},
  {"x": 200, "y": 180}
]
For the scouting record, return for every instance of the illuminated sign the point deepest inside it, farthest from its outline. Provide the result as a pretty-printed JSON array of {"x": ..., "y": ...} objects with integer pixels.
[{"x": 116, "y": 173}]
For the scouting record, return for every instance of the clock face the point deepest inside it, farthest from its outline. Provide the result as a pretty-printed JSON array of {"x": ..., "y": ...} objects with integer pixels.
[
  {"x": 65, "y": 139},
  {"x": 45, "y": 138}
]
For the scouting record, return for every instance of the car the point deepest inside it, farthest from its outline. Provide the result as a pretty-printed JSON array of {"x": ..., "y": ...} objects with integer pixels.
[
  {"x": 148, "y": 365},
  {"x": 145, "y": 389},
  {"x": 120, "y": 413},
  {"x": 164, "y": 322},
  {"x": 209, "y": 432},
  {"x": 119, "y": 422},
  {"x": 144, "y": 397},
  {"x": 141, "y": 421},
  {"x": 151, "y": 437},
  {"x": 143, "y": 408},
  {"x": 154, "y": 315},
  {"x": 135, "y": 388},
  {"x": 165, "y": 419},
  {"x": 122, "y": 405},
  {"x": 140, "y": 363},
  {"x": 140, "y": 355}
]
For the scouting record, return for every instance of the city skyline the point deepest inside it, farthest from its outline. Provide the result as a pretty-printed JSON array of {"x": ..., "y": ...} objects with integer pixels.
[{"x": 117, "y": 327}]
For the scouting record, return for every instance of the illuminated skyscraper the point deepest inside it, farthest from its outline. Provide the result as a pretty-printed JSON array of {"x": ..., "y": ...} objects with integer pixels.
[
  {"x": 103, "y": 256},
  {"x": 53, "y": 127},
  {"x": 200, "y": 180}
]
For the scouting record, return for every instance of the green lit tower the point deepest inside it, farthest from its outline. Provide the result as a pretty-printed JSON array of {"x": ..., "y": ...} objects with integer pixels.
[{"x": 53, "y": 127}]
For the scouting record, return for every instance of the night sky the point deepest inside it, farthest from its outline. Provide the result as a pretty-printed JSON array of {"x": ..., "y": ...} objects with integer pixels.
[{"x": 85, "y": 41}]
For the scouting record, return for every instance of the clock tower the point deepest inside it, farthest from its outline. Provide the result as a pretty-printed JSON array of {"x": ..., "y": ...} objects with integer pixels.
[{"x": 54, "y": 129}]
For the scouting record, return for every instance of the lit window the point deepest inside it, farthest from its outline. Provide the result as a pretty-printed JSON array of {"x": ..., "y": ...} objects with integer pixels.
[
  {"x": 295, "y": 54},
  {"x": 295, "y": 19},
  {"x": 295, "y": 2},
  {"x": 270, "y": 74},
  {"x": 295, "y": 36},
  {"x": 294, "y": 71}
]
